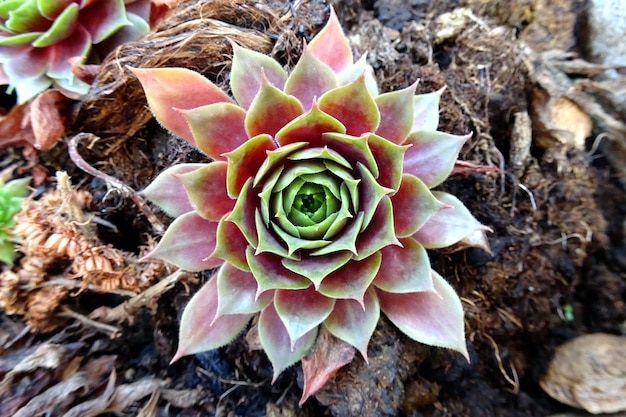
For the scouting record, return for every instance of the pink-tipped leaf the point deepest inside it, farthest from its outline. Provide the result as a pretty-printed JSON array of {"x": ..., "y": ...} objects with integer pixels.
[
  {"x": 167, "y": 192},
  {"x": 217, "y": 128},
  {"x": 276, "y": 342},
  {"x": 169, "y": 90},
  {"x": 431, "y": 155},
  {"x": 331, "y": 46},
  {"x": 432, "y": 318},
  {"x": 200, "y": 330},
  {"x": 187, "y": 243}
]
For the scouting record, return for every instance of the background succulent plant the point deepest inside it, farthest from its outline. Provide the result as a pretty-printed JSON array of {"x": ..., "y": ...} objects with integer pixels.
[
  {"x": 38, "y": 39},
  {"x": 12, "y": 196},
  {"x": 317, "y": 206}
]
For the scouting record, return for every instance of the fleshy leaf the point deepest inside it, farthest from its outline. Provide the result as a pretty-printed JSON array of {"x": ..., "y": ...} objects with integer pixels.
[
  {"x": 353, "y": 106},
  {"x": 198, "y": 331},
  {"x": 310, "y": 79},
  {"x": 413, "y": 205},
  {"x": 187, "y": 243},
  {"x": 167, "y": 192},
  {"x": 231, "y": 244},
  {"x": 329, "y": 354},
  {"x": 206, "y": 188},
  {"x": 169, "y": 90},
  {"x": 432, "y": 318},
  {"x": 103, "y": 18},
  {"x": 62, "y": 27},
  {"x": 426, "y": 111},
  {"x": 396, "y": 117},
  {"x": 355, "y": 322},
  {"x": 309, "y": 128},
  {"x": 431, "y": 155},
  {"x": 389, "y": 156},
  {"x": 301, "y": 311},
  {"x": 379, "y": 233},
  {"x": 316, "y": 268},
  {"x": 276, "y": 343},
  {"x": 352, "y": 280},
  {"x": 370, "y": 194},
  {"x": 244, "y": 212},
  {"x": 247, "y": 74},
  {"x": 404, "y": 269},
  {"x": 245, "y": 161},
  {"x": 271, "y": 110},
  {"x": 236, "y": 291},
  {"x": 449, "y": 226},
  {"x": 217, "y": 128},
  {"x": 353, "y": 148},
  {"x": 271, "y": 274},
  {"x": 331, "y": 46},
  {"x": 79, "y": 44}
]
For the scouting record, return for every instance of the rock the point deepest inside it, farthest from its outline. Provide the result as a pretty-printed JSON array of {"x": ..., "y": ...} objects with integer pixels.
[{"x": 589, "y": 372}]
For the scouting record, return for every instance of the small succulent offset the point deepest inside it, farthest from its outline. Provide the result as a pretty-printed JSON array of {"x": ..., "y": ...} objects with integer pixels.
[
  {"x": 39, "y": 39},
  {"x": 12, "y": 196},
  {"x": 317, "y": 206}
]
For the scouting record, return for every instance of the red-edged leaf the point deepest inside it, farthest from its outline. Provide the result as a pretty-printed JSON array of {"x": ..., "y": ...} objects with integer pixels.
[
  {"x": 309, "y": 128},
  {"x": 237, "y": 290},
  {"x": 318, "y": 267},
  {"x": 389, "y": 157},
  {"x": 328, "y": 355},
  {"x": 431, "y": 155},
  {"x": 187, "y": 243},
  {"x": 244, "y": 213},
  {"x": 432, "y": 318},
  {"x": 331, "y": 46},
  {"x": 353, "y": 106},
  {"x": 245, "y": 161},
  {"x": 301, "y": 310},
  {"x": 103, "y": 18},
  {"x": 231, "y": 244},
  {"x": 169, "y": 90},
  {"x": 270, "y": 273},
  {"x": 404, "y": 269},
  {"x": 449, "y": 226},
  {"x": 413, "y": 205},
  {"x": 271, "y": 110},
  {"x": 206, "y": 188},
  {"x": 396, "y": 117},
  {"x": 248, "y": 69},
  {"x": 355, "y": 322},
  {"x": 217, "y": 128},
  {"x": 352, "y": 280},
  {"x": 276, "y": 344},
  {"x": 379, "y": 233},
  {"x": 198, "y": 331},
  {"x": 167, "y": 192},
  {"x": 310, "y": 79}
]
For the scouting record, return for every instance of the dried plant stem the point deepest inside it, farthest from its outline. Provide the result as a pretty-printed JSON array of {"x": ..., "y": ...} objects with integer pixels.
[{"x": 112, "y": 182}]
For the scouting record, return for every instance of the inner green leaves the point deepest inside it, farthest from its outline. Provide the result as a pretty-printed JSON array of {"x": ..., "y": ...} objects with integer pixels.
[{"x": 308, "y": 197}]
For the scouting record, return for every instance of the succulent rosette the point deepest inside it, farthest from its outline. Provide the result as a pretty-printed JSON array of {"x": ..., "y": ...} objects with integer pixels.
[
  {"x": 317, "y": 206},
  {"x": 39, "y": 39}
]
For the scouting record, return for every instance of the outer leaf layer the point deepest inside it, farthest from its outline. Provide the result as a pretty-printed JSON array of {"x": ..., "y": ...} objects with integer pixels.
[
  {"x": 198, "y": 331},
  {"x": 435, "y": 319}
]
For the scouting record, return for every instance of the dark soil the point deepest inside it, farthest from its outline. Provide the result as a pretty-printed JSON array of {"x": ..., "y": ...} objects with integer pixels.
[{"x": 556, "y": 210}]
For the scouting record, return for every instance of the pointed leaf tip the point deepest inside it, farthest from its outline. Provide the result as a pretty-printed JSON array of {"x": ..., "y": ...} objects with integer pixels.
[
  {"x": 434, "y": 319},
  {"x": 169, "y": 89},
  {"x": 331, "y": 46},
  {"x": 199, "y": 332}
]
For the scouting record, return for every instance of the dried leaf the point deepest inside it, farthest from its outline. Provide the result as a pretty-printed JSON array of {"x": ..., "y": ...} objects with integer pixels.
[
  {"x": 328, "y": 355},
  {"x": 46, "y": 118}
]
